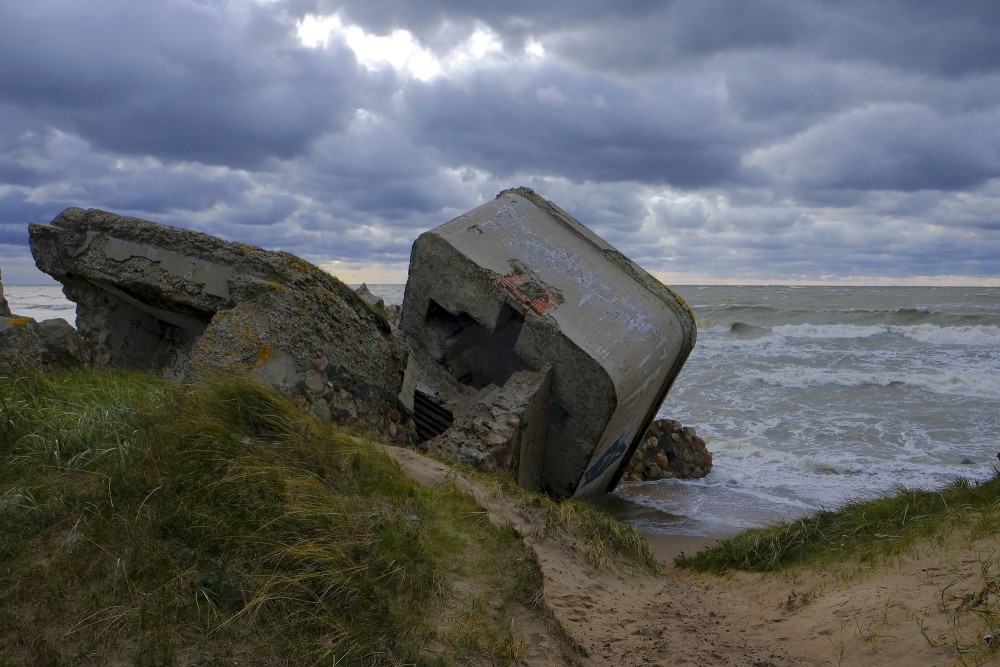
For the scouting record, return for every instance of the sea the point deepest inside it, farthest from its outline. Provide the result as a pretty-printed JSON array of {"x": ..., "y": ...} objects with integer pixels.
[{"x": 808, "y": 398}]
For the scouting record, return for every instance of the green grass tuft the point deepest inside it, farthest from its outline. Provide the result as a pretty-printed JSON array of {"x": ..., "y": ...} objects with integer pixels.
[
  {"x": 865, "y": 530},
  {"x": 215, "y": 523},
  {"x": 604, "y": 541}
]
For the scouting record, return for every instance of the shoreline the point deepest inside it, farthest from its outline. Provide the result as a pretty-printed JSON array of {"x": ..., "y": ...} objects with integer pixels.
[{"x": 668, "y": 546}]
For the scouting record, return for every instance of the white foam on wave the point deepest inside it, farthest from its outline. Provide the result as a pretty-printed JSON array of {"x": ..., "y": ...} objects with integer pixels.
[
  {"x": 923, "y": 333},
  {"x": 800, "y": 377},
  {"x": 963, "y": 335},
  {"x": 829, "y": 331},
  {"x": 751, "y": 485},
  {"x": 974, "y": 384}
]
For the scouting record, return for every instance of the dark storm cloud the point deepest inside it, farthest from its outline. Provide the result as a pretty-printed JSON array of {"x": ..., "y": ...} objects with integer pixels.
[
  {"x": 943, "y": 38},
  {"x": 443, "y": 23},
  {"x": 780, "y": 139},
  {"x": 893, "y": 147},
  {"x": 947, "y": 39},
  {"x": 215, "y": 83},
  {"x": 584, "y": 128}
]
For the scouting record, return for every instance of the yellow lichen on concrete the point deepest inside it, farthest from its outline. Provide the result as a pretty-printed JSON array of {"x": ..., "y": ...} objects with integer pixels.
[
  {"x": 265, "y": 353},
  {"x": 18, "y": 321}
]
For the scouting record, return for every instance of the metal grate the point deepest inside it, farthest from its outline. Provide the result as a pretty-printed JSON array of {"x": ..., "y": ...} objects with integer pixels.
[{"x": 431, "y": 417}]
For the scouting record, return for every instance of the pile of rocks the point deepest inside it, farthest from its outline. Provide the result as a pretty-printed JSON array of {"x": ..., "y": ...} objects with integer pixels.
[{"x": 669, "y": 449}]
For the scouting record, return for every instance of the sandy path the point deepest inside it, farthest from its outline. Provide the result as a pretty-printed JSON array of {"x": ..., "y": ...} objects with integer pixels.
[{"x": 858, "y": 616}]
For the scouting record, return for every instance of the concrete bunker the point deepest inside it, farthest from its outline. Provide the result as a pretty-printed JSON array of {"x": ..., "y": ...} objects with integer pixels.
[
  {"x": 540, "y": 340},
  {"x": 175, "y": 301}
]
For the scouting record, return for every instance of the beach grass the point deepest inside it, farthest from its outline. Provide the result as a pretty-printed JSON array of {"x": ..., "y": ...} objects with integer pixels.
[
  {"x": 148, "y": 523},
  {"x": 863, "y": 531},
  {"x": 603, "y": 541}
]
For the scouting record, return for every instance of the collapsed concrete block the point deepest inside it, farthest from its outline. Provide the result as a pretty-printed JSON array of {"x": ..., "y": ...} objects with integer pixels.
[
  {"x": 518, "y": 284},
  {"x": 176, "y": 301},
  {"x": 501, "y": 428}
]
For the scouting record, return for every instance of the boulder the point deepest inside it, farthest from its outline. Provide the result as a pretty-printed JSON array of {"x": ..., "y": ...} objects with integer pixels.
[
  {"x": 29, "y": 345},
  {"x": 177, "y": 302}
]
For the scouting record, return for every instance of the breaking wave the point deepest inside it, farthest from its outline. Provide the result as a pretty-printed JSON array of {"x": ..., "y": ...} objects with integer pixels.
[{"x": 982, "y": 385}]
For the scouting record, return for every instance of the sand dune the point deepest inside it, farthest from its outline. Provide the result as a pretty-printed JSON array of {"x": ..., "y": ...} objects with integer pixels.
[{"x": 921, "y": 609}]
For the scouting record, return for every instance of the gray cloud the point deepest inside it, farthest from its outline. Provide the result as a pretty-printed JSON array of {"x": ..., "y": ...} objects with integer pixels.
[
  {"x": 214, "y": 83},
  {"x": 891, "y": 147},
  {"x": 584, "y": 128},
  {"x": 775, "y": 140}
]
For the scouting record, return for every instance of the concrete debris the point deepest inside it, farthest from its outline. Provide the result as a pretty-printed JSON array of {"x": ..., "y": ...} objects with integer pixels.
[
  {"x": 176, "y": 301},
  {"x": 524, "y": 343},
  {"x": 518, "y": 286},
  {"x": 503, "y": 428}
]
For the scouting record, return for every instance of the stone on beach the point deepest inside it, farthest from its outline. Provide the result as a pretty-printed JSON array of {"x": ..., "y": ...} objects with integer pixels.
[{"x": 669, "y": 450}]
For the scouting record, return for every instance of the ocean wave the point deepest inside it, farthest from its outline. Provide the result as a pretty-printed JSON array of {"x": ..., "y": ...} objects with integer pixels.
[
  {"x": 749, "y": 330},
  {"x": 807, "y": 378},
  {"x": 922, "y": 333},
  {"x": 859, "y": 317},
  {"x": 972, "y": 385},
  {"x": 959, "y": 384},
  {"x": 828, "y": 331},
  {"x": 958, "y": 335}
]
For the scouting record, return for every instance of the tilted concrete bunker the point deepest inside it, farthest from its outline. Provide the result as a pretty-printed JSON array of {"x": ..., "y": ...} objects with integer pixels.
[{"x": 520, "y": 297}]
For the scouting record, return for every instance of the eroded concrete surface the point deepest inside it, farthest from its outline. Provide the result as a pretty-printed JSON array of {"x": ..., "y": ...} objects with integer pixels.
[
  {"x": 175, "y": 301},
  {"x": 525, "y": 342},
  {"x": 518, "y": 285}
]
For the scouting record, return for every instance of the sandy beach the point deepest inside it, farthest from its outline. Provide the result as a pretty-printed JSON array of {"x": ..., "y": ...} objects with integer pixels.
[{"x": 919, "y": 609}]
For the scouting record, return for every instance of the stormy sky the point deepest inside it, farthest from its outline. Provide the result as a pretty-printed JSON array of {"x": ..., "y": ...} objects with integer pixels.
[{"x": 780, "y": 141}]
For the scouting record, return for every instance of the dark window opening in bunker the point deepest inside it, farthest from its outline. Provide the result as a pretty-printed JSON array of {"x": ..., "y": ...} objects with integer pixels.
[{"x": 473, "y": 354}]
